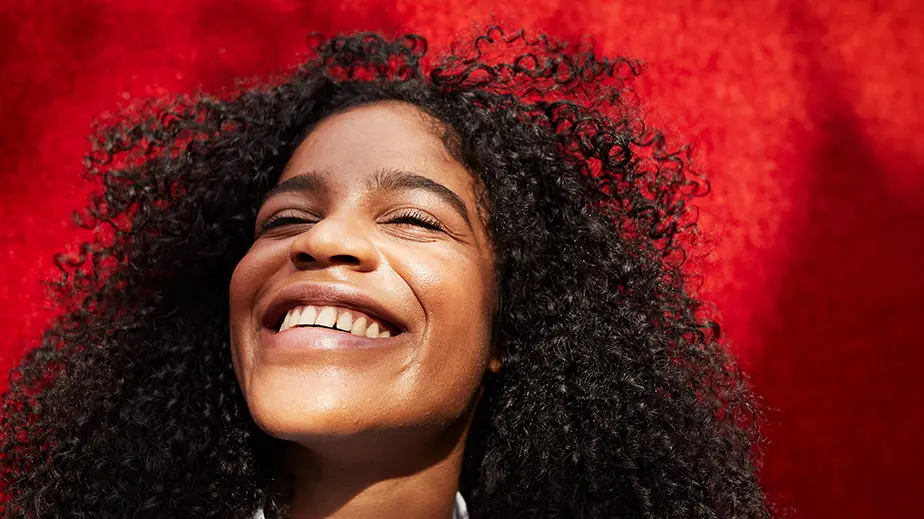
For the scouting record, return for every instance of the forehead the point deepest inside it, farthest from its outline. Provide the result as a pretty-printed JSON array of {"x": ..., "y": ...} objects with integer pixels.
[{"x": 361, "y": 141}]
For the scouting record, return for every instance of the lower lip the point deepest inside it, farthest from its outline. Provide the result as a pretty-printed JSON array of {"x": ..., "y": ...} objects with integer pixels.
[{"x": 318, "y": 338}]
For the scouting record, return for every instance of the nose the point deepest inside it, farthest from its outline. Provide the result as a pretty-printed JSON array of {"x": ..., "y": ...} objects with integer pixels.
[{"x": 334, "y": 241}]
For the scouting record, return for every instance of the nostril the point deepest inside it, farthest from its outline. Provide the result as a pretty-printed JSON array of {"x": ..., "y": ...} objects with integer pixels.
[
  {"x": 304, "y": 257},
  {"x": 307, "y": 260},
  {"x": 345, "y": 259}
]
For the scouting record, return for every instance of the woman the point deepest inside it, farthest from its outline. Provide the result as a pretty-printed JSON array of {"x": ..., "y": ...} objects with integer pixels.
[{"x": 385, "y": 287}]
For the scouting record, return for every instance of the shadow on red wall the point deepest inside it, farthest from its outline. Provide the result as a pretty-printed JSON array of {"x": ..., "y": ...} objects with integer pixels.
[{"x": 843, "y": 355}]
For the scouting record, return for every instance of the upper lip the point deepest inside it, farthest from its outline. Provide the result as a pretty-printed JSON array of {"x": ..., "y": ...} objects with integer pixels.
[{"x": 328, "y": 294}]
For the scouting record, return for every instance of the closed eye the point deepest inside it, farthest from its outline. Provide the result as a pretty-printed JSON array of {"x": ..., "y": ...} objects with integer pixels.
[
  {"x": 409, "y": 217},
  {"x": 412, "y": 217},
  {"x": 279, "y": 221}
]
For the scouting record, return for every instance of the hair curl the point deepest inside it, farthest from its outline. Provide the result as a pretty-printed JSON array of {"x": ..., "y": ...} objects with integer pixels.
[{"x": 616, "y": 398}]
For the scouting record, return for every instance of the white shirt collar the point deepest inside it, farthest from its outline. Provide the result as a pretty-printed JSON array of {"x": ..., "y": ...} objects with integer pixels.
[{"x": 459, "y": 511}]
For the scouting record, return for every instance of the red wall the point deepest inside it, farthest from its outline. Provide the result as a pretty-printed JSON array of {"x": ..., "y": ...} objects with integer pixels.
[{"x": 808, "y": 120}]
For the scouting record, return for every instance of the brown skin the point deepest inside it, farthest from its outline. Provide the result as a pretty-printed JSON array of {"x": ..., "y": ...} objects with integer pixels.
[{"x": 376, "y": 431}]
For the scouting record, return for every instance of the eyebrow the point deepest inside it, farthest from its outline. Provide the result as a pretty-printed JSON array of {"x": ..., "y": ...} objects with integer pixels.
[
  {"x": 382, "y": 180},
  {"x": 310, "y": 182}
]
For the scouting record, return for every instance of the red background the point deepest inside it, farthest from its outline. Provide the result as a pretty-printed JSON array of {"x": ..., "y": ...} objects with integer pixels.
[{"x": 807, "y": 118}]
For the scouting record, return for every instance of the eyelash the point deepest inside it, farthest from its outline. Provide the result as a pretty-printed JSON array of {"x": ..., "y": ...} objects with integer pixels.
[
  {"x": 418, "y": 218},
  {"x": 410, "y": 216},
  {"x": 278, "y": 221}
]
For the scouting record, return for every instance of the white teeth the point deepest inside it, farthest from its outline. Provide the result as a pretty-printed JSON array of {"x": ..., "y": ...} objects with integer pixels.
[
  {"x": 293, "y": 318},
  {"x": 327, "y": 317},
  {"x": 372, "y": 331},
  {"x": 308, "y": 316},
  {"x": 296, "y": 313},
  {"x": 286, "y": 324},
  {"x": 359, "y": 327},
  {"x": 345, "y": 322}
]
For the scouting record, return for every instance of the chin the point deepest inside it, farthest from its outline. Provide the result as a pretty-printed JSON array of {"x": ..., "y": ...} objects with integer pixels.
[
  {"x": 308, "y": 426},
  {"x": 293, "y": 411},
  {"x": 351, "y": 416}
]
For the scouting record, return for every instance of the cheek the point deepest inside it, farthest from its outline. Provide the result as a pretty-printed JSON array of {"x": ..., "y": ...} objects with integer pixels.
[
  {"x": 457, "y": 297},
  {"x": 249, "y": 277}
]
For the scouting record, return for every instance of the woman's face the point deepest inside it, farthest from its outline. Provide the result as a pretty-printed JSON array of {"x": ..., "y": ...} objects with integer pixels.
[{"x": 370, "y": 254}]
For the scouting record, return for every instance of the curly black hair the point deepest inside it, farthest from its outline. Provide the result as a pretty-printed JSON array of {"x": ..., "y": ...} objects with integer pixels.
[{"x": 617, "y": 397}]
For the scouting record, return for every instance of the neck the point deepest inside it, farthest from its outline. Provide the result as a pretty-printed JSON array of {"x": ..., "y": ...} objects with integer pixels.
[{"x": 381, "y": 477}]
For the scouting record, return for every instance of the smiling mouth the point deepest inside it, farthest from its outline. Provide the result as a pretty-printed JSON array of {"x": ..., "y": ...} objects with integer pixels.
[{"x": 344, "y": 320}]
